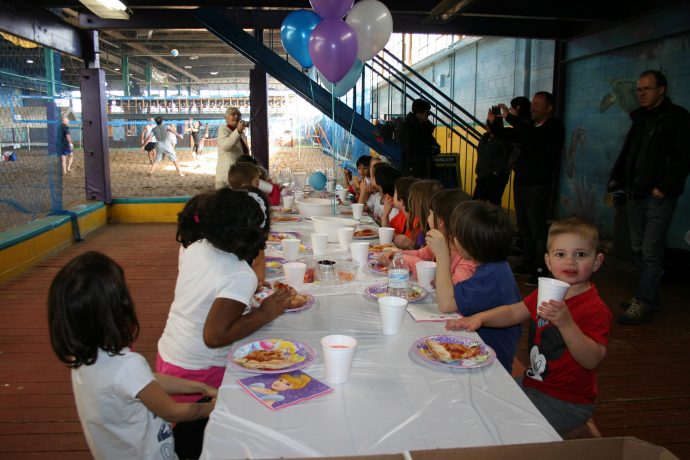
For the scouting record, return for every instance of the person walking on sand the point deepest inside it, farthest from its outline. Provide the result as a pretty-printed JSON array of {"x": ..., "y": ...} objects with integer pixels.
[
  {"x": 150, "y": 146},
  {"x": 65, "y": 146},
  {"x": 166, "y": 137}
]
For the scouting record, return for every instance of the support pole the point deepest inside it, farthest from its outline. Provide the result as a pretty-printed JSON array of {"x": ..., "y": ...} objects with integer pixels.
[{"x": 258, "y": 101}]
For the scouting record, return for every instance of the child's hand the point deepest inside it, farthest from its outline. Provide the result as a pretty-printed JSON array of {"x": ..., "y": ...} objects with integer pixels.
[
  {"x": 437, "y": 243},
  {"x": 275, "y": 304},
  {"x": 469, "y": 323},
  {"x": 387, "y": 205},
  {"x": 556, "y": 312},
  {"x": 385, "y": 258},
  {"x": 210, "y": 391}
]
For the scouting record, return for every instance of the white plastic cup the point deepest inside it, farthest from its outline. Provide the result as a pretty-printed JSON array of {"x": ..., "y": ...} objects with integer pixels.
[
  {"x": 318, "y": 243},
  {"x": 294, "y": 274},
  {"x": 345, "y": 237},
  {"x": 290, "y": 249},
  {"x": 386, "y": 235},
  {"x": 299, "y": 194},
  {"x": 360, "y": 253},
  {"x": 338, "y": 354},
  {"x": 357, "y": 210},
  {"x": 288, "y": 201},
  {"x": 426, "y": 273},
  {"x": 392, "y": 311},
  {"x": 550, "y": 289},
  {"x": 342, "y": 194}
]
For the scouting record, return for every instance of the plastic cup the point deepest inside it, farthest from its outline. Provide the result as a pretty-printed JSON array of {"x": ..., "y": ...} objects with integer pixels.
[
  {"x": 342, "y": 194},
  {"x": 294, "y": 274},
  {"x": 318, "y": 243},
  {"x": 426, "y": 273},
  {"x": 386, "y": 235},
  {"x": 288, "y": 201},
  {"x": 357, "y": 210},
  {"x": 338, "y": 354},
  {"x": 360, "y": 253},
  {"x": 299, "y": 194},
  {"x": 290, "y": 248},
  {"x": 550, "y": 289},
  {"x": 345, "y": 237},
  {"x": 392, "y": 310}
]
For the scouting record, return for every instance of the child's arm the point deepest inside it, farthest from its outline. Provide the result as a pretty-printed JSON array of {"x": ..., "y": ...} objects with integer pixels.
[
  {"x": 158, "y": 401},
  {"x": 445, "y": 296},
  {"x": 583, "y": 349},
  {"x": 403, "y": 242},
  {"x": 505, "y": 316},
  {"x": 226, "y": 324},
  {"x": 387, "y": 208},
  {"x": 259, "y": 266},
  {"x": 177, "y": 385}
]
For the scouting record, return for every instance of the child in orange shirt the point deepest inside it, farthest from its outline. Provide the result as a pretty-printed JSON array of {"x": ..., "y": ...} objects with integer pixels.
[{"x": 399, "y": 202}]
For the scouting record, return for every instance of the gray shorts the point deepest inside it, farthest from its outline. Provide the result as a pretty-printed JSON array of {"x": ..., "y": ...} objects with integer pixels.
[
  {"x": 562, "y": 415},
  {"x": 161, "y": 153}
]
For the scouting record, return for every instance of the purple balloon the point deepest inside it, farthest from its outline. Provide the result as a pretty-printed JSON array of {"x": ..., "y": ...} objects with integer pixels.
[
  {"x": 333, "y": 48},
  {"x": 331, "y": 9}
]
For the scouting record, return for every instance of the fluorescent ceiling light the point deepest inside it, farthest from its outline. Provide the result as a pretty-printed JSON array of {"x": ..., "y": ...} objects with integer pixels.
[
  {"x": 188, "y": 67},
  {"x": 107, "y": 9},
  {"x": 29, "y": 61},
  {"x": 213, "y": 73}
]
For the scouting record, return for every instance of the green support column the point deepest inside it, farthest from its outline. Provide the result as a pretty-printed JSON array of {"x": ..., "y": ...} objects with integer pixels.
[
  {"x": 125, "y": 75},
  {"x": 49, "y": 65}
]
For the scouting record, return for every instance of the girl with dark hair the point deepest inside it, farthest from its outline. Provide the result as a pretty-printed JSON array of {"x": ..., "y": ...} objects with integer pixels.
[
  {"x": 214, "y": 287},
  {"x": 123, "y": 407}
]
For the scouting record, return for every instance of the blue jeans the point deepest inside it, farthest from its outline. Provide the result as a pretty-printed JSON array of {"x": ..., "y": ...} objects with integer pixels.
[{"x": 649, "y": 219}]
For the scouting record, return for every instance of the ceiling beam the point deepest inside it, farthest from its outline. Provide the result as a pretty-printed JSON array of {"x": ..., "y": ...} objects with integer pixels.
[
  {"x": 40, "y": 26},
  {"x": 446, "y": 10}
]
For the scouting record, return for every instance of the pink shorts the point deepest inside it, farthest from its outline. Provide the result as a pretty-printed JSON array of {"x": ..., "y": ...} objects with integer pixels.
[{"x": 212, "y": 376}]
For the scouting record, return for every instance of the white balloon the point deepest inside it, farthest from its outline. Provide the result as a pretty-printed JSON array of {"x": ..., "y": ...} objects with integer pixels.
[{"x": 373, "y": 25}]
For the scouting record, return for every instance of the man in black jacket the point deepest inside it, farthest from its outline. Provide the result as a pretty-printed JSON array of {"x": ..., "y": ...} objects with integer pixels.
[
  {"x": 651, "y": 169},
  {"x": 418, "y": 143}
]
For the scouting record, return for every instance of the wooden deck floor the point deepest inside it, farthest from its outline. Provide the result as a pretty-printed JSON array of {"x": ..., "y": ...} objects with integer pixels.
[{"x": 644, "y": 381}]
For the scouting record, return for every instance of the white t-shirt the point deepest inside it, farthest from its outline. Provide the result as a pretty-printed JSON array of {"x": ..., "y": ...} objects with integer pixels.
[
  {"x": 374, "y": 203},
  {"x": 116, "y": 424},
  {"x": 205, "y": 274}
]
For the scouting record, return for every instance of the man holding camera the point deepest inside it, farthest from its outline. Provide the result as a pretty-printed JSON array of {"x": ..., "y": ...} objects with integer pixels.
[{"x": 232, "y": 143}]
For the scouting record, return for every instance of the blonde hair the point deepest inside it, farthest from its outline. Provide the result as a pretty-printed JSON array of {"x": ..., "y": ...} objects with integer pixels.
[
  {"x": 419, "y": 201},
  {"x": 296, "y": 383},
  {"x": 242, "y": 174},
  {"x": 230, "y": 110},
  {"x": 573, "y": 226}
]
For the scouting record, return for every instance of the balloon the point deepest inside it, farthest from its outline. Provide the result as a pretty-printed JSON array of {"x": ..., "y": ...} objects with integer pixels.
[
  {"x": 373, "y": 24},
  {"x": 317, "y": 180},
  {"x": 331, "y": 9},
  {"x": 333, "y": 48},
  {"x": 294, "y": 33},
  {"x": 350, "y": 79}
]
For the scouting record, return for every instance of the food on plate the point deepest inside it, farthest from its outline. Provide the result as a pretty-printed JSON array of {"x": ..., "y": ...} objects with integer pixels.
[
  {"x": 365, "y": 233},
  {"x": 285, "y": 218},
  {"x": 266, "y": 359},
  {"x": 450, "y": 352},
  {"x": 381, "y": 247},
  {"x": 309, "y": 275},
  {"x": 378, "y": 267},
  {"x": 296, "y": 300}
]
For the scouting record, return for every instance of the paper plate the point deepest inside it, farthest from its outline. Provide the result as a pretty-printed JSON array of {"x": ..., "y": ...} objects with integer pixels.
[
  {"x": 301, "y": 353},
  {"x": 487, "y": 354},
  {"x": 365, "y": 233},
  {"x": 286, "y": 218},
  {"x": 277, "y": 237},
  {"x": 265, "y": 292},
  {"x": 377, "y": 290},
  {"x": 274, "y": 267},
  {"x": 376, "y": 269}
]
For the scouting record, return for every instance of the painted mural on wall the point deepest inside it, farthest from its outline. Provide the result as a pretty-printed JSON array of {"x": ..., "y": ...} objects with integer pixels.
[{"x": 600, "y": 94}]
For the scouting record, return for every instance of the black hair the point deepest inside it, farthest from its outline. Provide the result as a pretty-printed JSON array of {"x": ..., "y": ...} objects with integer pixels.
[
  {"x": 188, "y": 228},
  {"x": 385, "y": 176},
  {"x": 658, "y": 76},
  {"x": 246, "y": 159},
  {"x": 402, "y": 188},
  {"x": 90, "y": 308},
  {"x": 363, "y": 160},
  {"x": 234, "y": 222},
  {"x": 523, "y": 106},
  {"x": 420, "y": 106},
  {"x": 483, "y": 230},
  {"x": 158, "y": 120},
  {"x": 547, "y": 96},
  {"x": 443, "y": 203}
]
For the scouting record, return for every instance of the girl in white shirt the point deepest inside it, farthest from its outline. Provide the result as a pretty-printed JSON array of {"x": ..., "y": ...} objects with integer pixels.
[
  {"x": 123, "y": 407},
  {"x": 214, "y": 287}
]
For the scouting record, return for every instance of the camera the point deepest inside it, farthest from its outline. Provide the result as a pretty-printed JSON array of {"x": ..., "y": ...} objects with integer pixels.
[
  {"x": 245, "y": 122},
  {"x": 496, "y": 110}
]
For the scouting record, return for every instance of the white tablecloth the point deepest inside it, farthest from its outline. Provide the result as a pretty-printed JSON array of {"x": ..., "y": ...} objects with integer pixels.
[{"x": 392, "y": 402}]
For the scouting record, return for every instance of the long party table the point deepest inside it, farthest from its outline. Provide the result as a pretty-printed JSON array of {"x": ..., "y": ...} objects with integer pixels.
[{"x": 393, "y": 401}]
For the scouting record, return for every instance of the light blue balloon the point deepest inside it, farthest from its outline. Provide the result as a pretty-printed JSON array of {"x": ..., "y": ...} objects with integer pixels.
[
  {"x": 295, "y": 32},
  {"x": 350, "y": 79},
  {"x": 317, "y": 180}
]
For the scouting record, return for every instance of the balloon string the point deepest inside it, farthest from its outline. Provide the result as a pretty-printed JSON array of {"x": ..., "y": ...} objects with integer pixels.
[{"x": 334, "y": 149}]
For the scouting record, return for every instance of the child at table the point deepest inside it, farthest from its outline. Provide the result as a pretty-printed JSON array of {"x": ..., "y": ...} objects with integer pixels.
[
  {"x": 125, "y": 410},
  {"x": 567, "y": 340},
  {"x": 243, "y": 174},
  {"x": 273, "y": 191},
  {"x": 419, "y": 203},
  {"x": 398, "y": 222},
  {"x": 481, "y": 233},
  {"x": 443, "y": 203},
  {"x": 214, "y": 287}
]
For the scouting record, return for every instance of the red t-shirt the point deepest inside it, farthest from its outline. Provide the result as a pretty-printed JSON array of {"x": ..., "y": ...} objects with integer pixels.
[
  {"x": 398, "y": 223},
  {"x": 553, "y": 371}
]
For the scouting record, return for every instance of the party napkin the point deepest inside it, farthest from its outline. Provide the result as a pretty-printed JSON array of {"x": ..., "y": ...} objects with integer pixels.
[
  {"x": 428, "y": 312},
  {"x": 276, "y": 391}
]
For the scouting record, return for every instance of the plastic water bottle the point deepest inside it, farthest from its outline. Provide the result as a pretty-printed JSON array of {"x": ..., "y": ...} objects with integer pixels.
[{"x": 398, "y": 276}]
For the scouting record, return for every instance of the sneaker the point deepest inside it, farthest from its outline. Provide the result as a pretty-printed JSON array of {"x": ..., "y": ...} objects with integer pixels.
[
  {"x": 637, "y": 313},
  {"x": 626, "y": 303}
]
